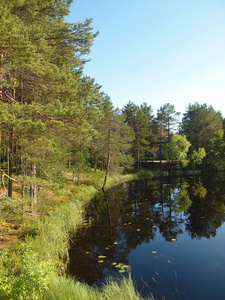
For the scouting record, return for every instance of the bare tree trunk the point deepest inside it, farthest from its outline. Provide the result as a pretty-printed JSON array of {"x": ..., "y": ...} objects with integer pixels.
[
  {"x": 11, "y": 146},
  {"x": 138, "y": 149},
  {"x": 21, "y": 91},
  {"x": 10, "y": 164},
  {"x": 10, "y": 173},
  {"x": 23, "y": 174},
  {"x": 108, "y": 159},
  {"x": 33, "y": 187},
  {"x": 1, "y": 75}
]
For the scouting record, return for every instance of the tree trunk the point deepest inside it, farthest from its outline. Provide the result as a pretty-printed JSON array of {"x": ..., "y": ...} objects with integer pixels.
[
  {"x": 78, "y": 177},
  {"x": 1, "y": 75},
  {"x": 10, "y": 168},
  {"x": 23, "y": 174},
  {"x": 10, "y": 173},
  {"x": 33, "y": 188},
  {"x": 10, "y": 164},
  {"x": 138, "y": 150},
  {"x": 108, "y": 159}
]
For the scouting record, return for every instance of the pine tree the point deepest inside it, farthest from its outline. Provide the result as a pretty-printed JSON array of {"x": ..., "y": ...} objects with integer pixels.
[
  {"x": 140, "y": 120},
  {"x": 203, "y": 127},
  {"x": 166, "y": 121},
  {"x": 40, "y": 79}
]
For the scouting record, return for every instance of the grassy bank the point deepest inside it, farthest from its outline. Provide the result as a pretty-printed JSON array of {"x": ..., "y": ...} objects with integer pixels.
[{"x": 33, "y": 264}]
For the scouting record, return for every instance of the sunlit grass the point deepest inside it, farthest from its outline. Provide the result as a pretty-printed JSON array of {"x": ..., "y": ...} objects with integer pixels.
[{"x": 68, "y": 289}]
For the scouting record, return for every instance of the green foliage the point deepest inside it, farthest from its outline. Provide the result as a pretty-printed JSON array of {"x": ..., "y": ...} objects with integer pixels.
[
  {"x": 177, "y": 148},
  {"x": 167, "y": 119},
  {"x": 182, "y": 200},
  {"x": 199, "y": 190},
  {"x": 197, "y": 156},
  {"x": 112, "y": 140},
  {"x": 145, "y": 174},
  {"x": 139, "y": 119},
  {"x": 203, "y": 127}
]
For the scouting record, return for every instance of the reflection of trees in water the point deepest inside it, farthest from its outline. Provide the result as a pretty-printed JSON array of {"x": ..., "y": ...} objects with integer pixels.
[
  {"x": 130, "y": 214},
  {"x": 206, "y": 214},
  {"x": 173, "y": 200}
]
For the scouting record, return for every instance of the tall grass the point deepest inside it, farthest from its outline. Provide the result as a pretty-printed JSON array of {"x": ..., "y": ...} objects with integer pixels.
[{"x": 68, "y": 289}]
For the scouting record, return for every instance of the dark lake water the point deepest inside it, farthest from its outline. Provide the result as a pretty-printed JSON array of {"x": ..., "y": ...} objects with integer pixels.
[{"x": 169, "y": 231}]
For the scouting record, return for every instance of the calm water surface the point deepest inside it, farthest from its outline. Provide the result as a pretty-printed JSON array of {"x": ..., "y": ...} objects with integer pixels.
[{"x": 169, "y": 231}]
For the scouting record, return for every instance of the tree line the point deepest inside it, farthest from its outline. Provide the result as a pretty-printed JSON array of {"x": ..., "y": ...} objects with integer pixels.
[{"x": 53, "y": 117}]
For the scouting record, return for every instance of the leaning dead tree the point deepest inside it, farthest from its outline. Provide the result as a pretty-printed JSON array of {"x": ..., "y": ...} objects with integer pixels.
[{"x": 3, "y": 184}]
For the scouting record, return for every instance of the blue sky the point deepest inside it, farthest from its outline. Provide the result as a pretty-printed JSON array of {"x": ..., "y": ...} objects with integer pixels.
[{"x": 157, "y": 51}]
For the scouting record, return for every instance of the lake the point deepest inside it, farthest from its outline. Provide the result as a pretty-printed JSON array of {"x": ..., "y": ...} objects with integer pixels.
[{"x": 168, "y": 233}]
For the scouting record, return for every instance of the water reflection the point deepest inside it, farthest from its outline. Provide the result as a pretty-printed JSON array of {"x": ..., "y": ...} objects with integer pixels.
[{"x": 134, "y": 213}]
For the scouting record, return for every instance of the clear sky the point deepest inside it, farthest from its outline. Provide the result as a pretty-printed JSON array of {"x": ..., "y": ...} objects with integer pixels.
[{"x": 157, "y": 51}]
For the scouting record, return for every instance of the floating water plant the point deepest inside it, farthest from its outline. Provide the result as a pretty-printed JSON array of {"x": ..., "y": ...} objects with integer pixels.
[{"x": 102, "y": 256}]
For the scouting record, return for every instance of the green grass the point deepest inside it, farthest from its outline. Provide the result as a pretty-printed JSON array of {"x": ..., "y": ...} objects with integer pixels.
[{"x": 68, "y": 289}]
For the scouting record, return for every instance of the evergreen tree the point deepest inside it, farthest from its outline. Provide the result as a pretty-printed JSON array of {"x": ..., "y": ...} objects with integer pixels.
[
  {"x": 41, "y": 58},
  {"x": 112, "y": 140},
  {"x": 140, "y": 120},
  {"x": 203, "y": 127},
  {"x": 166, "y": 122}
]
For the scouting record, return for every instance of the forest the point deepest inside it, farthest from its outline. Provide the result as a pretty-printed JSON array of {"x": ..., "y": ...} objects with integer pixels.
[
  {"x": 55, "y": 120},
  {"x": 53, "y": 117}
]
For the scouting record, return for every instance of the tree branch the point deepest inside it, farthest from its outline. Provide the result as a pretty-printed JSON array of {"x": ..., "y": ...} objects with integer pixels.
[
  {"x": 3, "y": 184},
  {"x": 9, "y": 97}
]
